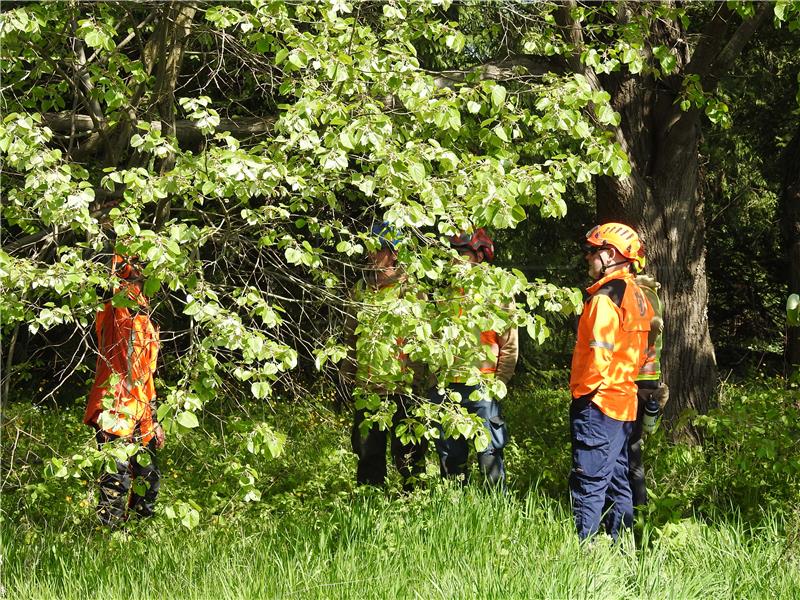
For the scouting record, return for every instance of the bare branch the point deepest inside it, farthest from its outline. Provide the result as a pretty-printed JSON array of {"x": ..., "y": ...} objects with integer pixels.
[
  {"x": 504, "y": 69},
  {"x": 187, "y": 132}
]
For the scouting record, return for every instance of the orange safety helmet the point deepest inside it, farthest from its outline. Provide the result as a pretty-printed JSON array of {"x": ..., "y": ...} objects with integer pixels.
[
  {"x": 623, "y": 238},
  {"x": 478, "y": 240}
]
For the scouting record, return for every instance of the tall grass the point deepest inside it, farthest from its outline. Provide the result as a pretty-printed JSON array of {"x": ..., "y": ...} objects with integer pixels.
[
  {"x": 314, "y": 536},
  {"x": 445, "y": 543}
]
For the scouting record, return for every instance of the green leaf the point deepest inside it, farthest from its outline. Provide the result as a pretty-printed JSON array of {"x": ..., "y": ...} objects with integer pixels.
[
  {"x": 500, "y": 132},
  {"x": 260, "y": 389},
  {"x": 188, "y": 419},
  {"x": 606, "y": 115},
  {"x": 344, "y": 139},
  {"x": 582, "y": 129},
  {"x": 417, "y": 172},
  {"x": 793, "y": 310},
  {"x": 780, "y": 10},
  {"x": 151, "y": 286},
  {"x": 191, "y": 519},
  {"x": 498, "y": 95},
  {"x": 293, "y": 255}
]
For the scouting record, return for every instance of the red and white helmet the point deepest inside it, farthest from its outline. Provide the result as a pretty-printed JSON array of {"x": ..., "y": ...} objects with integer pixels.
[{"x": 477, "y": 241}]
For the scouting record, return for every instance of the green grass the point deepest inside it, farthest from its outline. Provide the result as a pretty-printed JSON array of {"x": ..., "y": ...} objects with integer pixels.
[
  {"x": 314, "y": 535},
  {"x": 447, "y": 543}
]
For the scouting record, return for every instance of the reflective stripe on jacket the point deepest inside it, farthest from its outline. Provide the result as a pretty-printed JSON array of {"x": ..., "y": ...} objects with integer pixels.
[
  {"x": 651, "y": 369},
  {"x": 128, "y": 352},
  {"x": 611, "y": 345}
]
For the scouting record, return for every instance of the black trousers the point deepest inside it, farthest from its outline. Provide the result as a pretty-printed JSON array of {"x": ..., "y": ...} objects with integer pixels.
[
  {"x": 371, "y": 448},
  {"x": 635, "y": 464},
  {"x": 133, "y": 486}
]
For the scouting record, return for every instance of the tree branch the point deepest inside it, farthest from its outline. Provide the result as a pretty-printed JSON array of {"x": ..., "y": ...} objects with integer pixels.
[
  {"x": 573, "y": 31},
  {"x": 722, "y": 63},
  {"x": 516, "y": 67},
  {"x": 187, "y": 132},
  {"x": 713, "y": 56}
]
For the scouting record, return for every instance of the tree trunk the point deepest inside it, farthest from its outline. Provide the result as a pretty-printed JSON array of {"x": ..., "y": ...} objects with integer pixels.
[
  {"x": 790, "y": 215},
  {"x": 661, "y": 201},
  {"x": 664, "y": 207}
]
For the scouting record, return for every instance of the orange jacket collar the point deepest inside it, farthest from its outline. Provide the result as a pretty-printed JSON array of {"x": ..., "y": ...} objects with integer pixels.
[{"x": 621, "y": 274}]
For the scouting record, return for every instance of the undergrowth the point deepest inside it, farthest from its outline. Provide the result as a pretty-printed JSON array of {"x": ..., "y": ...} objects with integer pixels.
[{"x": 722, "y": 521}]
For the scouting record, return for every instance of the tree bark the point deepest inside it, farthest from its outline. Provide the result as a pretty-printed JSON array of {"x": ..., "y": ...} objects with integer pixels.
[
  {"x": 171, "y": 35},
  {"x": 790, "y": 216},
  {"x": 664, "y": 206}
]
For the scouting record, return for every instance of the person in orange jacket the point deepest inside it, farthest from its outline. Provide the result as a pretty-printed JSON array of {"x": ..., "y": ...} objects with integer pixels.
[
  {"x": 476, "y": 248},
  {"x": 610, "y": 349},
  {"x": 120, "y": 401}
]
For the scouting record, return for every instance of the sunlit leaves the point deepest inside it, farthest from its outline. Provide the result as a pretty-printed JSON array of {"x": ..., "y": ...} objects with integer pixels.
[
  {"x": 793, "y": 310},
  {"x": 360, "y": 133}
]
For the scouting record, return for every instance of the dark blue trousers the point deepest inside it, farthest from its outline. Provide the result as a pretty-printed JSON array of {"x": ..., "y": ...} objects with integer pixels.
[
  {"x": 599, "y": 485},
  {"x": 454, "y": 452},
  {"x": 371, "y": 449},
  {"x": 118, "y": 491}
]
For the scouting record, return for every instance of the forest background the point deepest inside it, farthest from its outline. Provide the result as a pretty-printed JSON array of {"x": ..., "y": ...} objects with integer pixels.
[{"x": 244, "y": 149}]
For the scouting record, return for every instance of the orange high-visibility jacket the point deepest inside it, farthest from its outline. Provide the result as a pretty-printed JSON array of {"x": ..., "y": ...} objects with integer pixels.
[
  {"x": 611, "y": 345},
  {"x": 128, "y": 348},
  {"x": 505, "y": 349}
]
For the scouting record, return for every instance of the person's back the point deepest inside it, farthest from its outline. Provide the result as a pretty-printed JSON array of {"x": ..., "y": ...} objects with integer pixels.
[
  {"x": 119, "y": 406},
  {"x": 649, "y": 387}
]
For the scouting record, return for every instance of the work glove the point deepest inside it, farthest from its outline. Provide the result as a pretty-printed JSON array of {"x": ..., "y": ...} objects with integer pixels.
[
  {"x": 159, "y": 435},
  {"x": 661, "y": 394},
  {"x": 647, "y": 281}
]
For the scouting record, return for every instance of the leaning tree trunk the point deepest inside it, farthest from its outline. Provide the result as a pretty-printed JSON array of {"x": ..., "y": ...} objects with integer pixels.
[{"x": 790, "y": 205}]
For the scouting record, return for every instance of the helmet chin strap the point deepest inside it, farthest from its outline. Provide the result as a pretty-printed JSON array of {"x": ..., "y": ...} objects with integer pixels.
[{"x": 608, "y": 266}]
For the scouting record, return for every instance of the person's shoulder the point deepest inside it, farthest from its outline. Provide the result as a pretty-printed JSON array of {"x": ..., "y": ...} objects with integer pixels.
[{"x": 614, "y": 289}]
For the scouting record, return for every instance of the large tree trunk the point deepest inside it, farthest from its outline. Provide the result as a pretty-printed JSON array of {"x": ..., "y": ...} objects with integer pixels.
[
  {"x": 790, "y": 216},
  {"x": 660, "y": 200},
  {"x": 661, "y": 197}
]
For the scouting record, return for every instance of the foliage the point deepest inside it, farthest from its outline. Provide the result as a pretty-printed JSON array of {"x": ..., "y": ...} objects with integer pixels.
[
  {"x": 742, "y": 185},
  {"x": 748, "y": 458},
  {"x": 793, "y": 310},
  {"x": 368, "y": 547},
  {"x": 244, "y": 162},
  {"x": 244, "y": 242}
]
